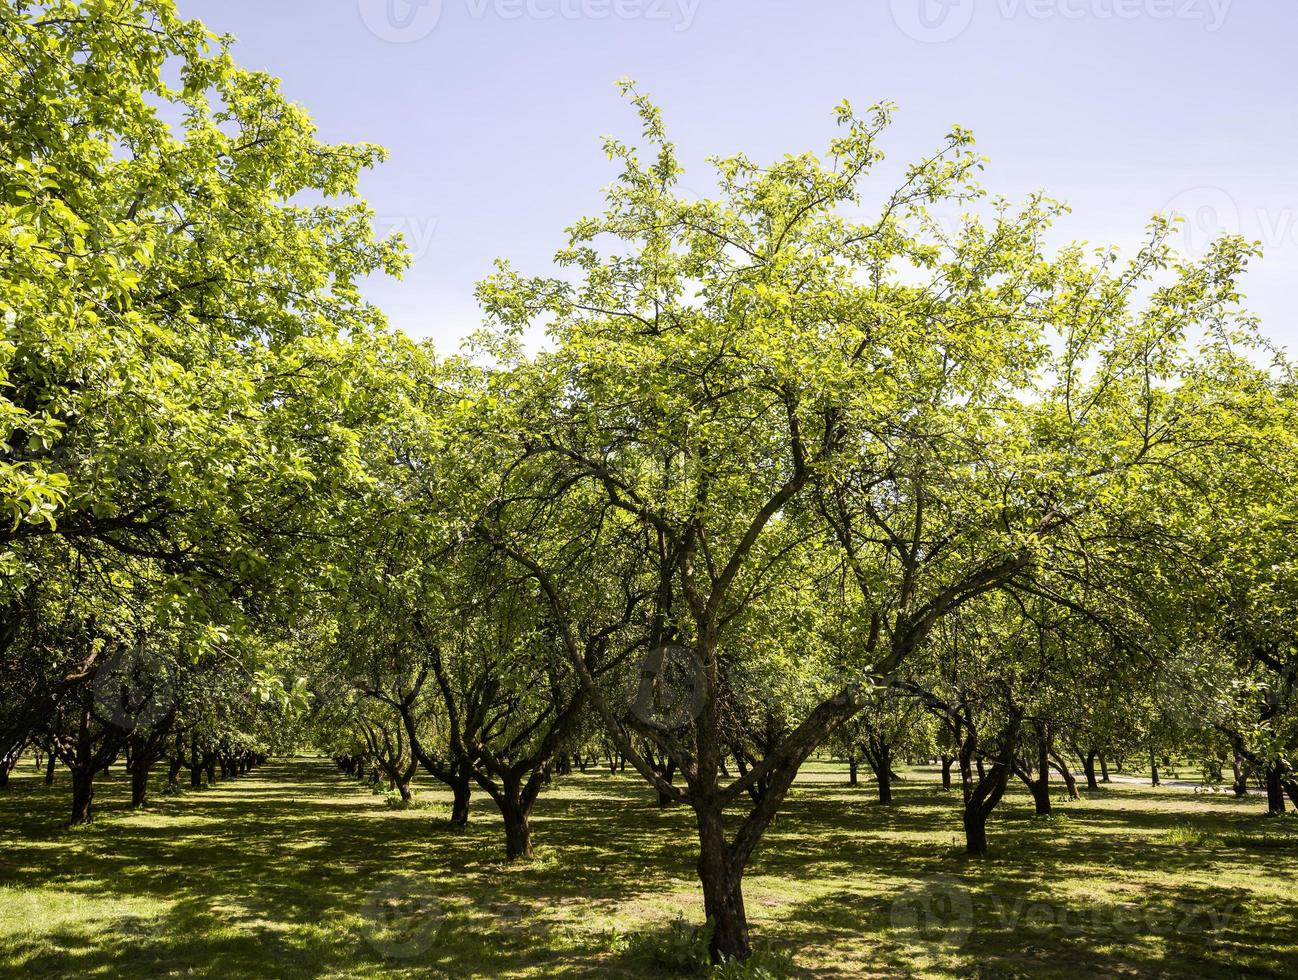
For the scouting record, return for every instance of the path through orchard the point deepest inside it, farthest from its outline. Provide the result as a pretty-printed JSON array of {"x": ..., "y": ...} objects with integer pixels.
[{"x": 296, "y": 870}]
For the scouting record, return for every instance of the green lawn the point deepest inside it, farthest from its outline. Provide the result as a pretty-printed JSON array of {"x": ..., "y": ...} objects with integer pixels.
[{"x": 296, "y": 871}]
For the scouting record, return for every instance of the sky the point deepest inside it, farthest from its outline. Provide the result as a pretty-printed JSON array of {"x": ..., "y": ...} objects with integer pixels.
[{"x": 493, "y": 111}]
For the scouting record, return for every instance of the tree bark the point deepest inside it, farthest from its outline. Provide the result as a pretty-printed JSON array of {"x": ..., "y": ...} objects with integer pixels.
[
  {"x": 1088, "y": 767},
  {"x": 1291, "y": 788},
  {"x": 1275, "y": 804},
  {"x": 946, "y": 772},
  {"x": 1040, "y": 788},
  {"x": 668, "y": 773},
  {"x": 881, "y": 763},
  {"x": 195, "y": 764},
  {"x": 1104, "y": 769},
  {"x": 1066, "y": 772},
  {"x": 1153, "y": 769},
  {"x": 1240, "y": 782},
  {"x": 981, "y": 798},
  {"x": 461, "y": 793},
  {"x": 50, "y": 763},
  {"x": 83, "y": 793},
  {"x": 518, "y": 830},
  {"x": 723, "y": 895},
  {"x": 979, "y": 806},
  {"x": 140, "y": 766}
]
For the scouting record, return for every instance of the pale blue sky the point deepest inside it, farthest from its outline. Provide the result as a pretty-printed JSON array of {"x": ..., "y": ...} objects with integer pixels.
[{"x": 493, "y": 110}]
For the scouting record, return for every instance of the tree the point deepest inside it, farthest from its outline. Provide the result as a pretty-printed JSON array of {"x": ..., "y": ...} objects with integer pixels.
[
  {"x": 742, "y": 379},
  {"x": 185, "y": 348}
]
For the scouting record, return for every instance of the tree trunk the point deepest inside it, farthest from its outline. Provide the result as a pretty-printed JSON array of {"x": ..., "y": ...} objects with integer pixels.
[
  {"x": 980, "y": 801},
  {"x": 1064, "y": 770},
  {"x": 460, "y": 793},
  {"x": 1240, "y": 783},
  {"x": 140, "y": 766},
  {"x": 668, "y": 773},
  {"x": 880, "y": 758},
  {"x": 1153, "y": 769},
  {"x": 723, "y": 894},
  {"x": 1040, "y": 788},
  {"x": 982, "y": 797},
  {"x": 83, "y": 793},
  {"x": 50, "y": 763},
  {"x": 1274, "y": 790},
  {"x": 518, "y": 830},
  {"x": 1088, "y": 767},
  {"x": 1291, "y": 788},
  {"x": 975, "y": 832},
  {"x": 852, "y": 778},
  {"x": 946, "y": 772},
  {"x": 1104, "y": 769}
]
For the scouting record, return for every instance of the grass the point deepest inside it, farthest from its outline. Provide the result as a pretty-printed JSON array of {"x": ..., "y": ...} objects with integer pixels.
[{"x": 297, "y": 871}]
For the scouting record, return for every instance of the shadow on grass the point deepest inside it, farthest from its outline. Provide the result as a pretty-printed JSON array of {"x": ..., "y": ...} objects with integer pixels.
[{"x": 296, "y": 871}]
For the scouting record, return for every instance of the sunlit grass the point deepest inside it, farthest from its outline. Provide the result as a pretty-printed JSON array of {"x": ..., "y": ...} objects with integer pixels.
[{"x": 296, "y": 871}]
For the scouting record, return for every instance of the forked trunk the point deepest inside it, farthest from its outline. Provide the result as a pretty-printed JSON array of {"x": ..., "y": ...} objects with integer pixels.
[
  {"x": 1070, "y": 783},
  {"x": 1240, "y": 782}
]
